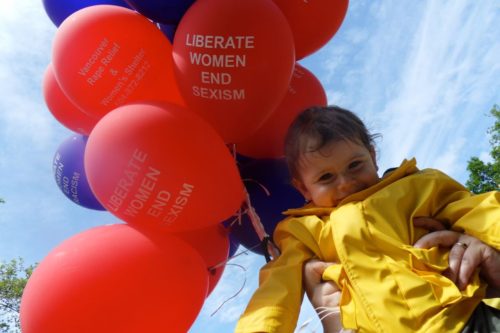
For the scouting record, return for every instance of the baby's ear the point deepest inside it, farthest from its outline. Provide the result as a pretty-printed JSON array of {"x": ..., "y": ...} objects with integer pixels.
[
  {"x": 373, "y": 154},
  {"x": 301, "y": 188}
]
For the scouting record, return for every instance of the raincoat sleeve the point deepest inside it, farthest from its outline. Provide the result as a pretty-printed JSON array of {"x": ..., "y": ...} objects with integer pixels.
[
  {"x": 275, "y": 305},
  {"x": 477, "y": 215}
]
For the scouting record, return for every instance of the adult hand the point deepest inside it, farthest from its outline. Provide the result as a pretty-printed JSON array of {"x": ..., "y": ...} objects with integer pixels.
[
  {"x": 320, "y": 293},
  {"x": 467, "y": 253},
  {"x": 323, "y": 295},
  {"x": 428, "y": 223}
]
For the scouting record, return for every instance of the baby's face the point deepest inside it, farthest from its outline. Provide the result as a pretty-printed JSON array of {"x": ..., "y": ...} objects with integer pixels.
[{"x": 336, "y": 171}]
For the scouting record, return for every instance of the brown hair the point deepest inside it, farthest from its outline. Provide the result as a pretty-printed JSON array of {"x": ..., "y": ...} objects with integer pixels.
[{"x": 317, "y": 127}]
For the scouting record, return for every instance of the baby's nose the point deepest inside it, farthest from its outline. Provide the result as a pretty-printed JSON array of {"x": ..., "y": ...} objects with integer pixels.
[{"x": 345, "y": 185}]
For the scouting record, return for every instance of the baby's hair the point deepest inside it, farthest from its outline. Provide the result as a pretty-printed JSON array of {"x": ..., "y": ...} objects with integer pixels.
[{"x": 318, "y": 126}]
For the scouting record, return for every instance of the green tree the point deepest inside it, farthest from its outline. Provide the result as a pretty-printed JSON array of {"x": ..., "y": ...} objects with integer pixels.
[
  {"x": 13, "y": 278},
  {"x": 484, "y": 177}
]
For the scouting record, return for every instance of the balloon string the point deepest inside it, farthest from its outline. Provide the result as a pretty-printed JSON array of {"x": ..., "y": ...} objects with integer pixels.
[
  {"x": 323, "y": 313},
  {"x": 254, "y": 218},
  {"x": 237, "y": 218},
  {"x": 259, "y": 229},
  {"x": 261, "y": 186},
  {"x": 236, "y": 294},
  {"x": 241, "y": 211},
  {"x": 303, "y": 327},
  {"x": 222, "y": 263},
  {"x": 232, "y": 148},
  {"x": 271, "y": 251}
]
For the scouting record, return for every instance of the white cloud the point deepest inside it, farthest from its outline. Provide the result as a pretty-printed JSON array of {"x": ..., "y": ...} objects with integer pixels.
[
  {"x": 448, "y": 162},
  {"x": 25, "y": 51},
  {"x": 357, "y": 36},
  {"x": 485, "y": 156},
  {"x": 336, "y": 97},
  {"x": 447, "y": 62}
]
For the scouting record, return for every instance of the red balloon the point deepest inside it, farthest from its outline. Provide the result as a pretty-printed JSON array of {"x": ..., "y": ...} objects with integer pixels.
[
  {"x": 233, "y": 61},
  {"x": 268, "y": 141},
  {"x": 212, "y": 244},
  {"x": 114, "y": 279},
  {"x": 313, "y": 23},
  {"x": 162, "y": 167},
  {"x": 105, "y": 56},
  {"x": 67, "y": 113}
]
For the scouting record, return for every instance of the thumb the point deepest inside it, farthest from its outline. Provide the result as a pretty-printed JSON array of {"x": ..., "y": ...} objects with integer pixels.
[
  {"x": 313, "y": 270},
  {"x": 437, "y": 238}
]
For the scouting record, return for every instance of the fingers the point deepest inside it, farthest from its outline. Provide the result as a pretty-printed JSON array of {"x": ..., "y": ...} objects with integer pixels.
[
  {"x": 313, "y": 270},
  {"x": 313, "y": 283},
  {"x": 438, "y": 238},
  {"x": 455, "y": 263},
  {"x": 471, "y": 259},
  {"x": 490, "y": 268},
  {"x": 466, "y": 253},
  {"x": 329, "y": 298},
  {"x": 428, "y": 223},
  {"x": 479, "y": 254}
]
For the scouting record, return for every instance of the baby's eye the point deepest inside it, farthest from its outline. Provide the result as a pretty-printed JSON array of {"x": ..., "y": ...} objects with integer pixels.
[
  {"x": 355, "y": 165},
  {"x": 325, "y": 177}
]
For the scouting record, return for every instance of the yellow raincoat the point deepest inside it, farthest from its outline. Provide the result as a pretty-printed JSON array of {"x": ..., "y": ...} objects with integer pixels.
[{"x": 387, "y": 284}]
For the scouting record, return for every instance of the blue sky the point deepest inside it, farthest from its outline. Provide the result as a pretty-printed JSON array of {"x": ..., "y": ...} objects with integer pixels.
[{"x": 422, "y": 73}]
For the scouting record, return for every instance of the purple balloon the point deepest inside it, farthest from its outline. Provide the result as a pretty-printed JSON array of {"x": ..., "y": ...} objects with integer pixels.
[
  {"x": 59, "y": 10},
  {"x": 70, "y": 175},
  {"x": 162, "y": 11},
  {"x": 168, "y": 30},
  {"x": 234, "y": 244}
]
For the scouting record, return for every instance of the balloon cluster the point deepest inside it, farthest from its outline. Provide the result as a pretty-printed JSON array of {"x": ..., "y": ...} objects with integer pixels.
[{"x": 179, "y": 110}]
